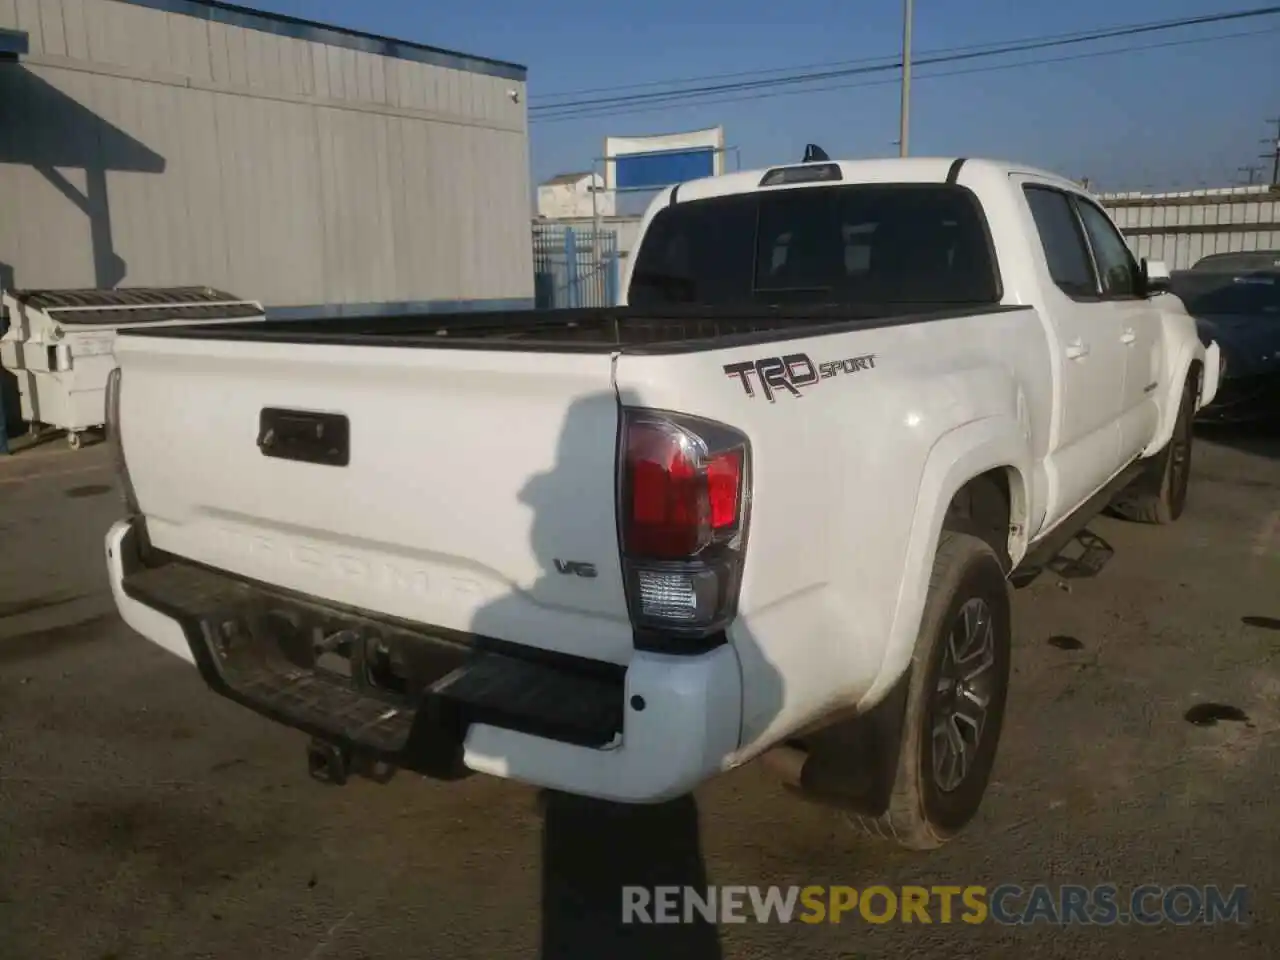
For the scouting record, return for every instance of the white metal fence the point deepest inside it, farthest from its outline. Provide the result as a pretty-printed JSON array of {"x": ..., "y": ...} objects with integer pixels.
[{"x": 1180, "y": 228}]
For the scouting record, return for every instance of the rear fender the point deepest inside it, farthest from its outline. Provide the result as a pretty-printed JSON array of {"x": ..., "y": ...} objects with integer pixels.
[
  {"x": 959, "y": 456},
  {"x": 1191, "y": 352},
  {"x": 1212, "y": 377}
]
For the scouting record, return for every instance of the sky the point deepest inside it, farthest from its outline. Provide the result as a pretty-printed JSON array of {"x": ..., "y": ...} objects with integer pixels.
[{"x": 1175, "y": 117}]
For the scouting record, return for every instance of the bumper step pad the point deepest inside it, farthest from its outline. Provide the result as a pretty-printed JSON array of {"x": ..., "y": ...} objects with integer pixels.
[{"x": 263, "y": 649}]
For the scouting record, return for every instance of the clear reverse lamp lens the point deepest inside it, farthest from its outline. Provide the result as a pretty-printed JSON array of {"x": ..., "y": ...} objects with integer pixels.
[
  {"x": 667, "y": 596},
  {"x": 689, "y": 597}
]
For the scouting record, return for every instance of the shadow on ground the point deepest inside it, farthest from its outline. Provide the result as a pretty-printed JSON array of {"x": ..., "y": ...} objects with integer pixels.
[
  {"x": 1082, "y": 558},
  {"x": 591, "y": 850},
  {"x": 1260, "y": 440}
]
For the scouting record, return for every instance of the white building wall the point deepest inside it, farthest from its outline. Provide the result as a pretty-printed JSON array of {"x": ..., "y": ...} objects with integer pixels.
[
  {"x": 144, "y": 147},
  {"x": 564, "y": 201}
]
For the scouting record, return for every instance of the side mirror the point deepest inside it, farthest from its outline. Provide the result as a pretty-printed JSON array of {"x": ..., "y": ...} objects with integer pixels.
[{"x": 1155, "y": 277}]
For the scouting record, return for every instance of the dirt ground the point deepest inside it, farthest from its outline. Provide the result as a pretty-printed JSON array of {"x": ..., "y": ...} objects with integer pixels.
[{"x": 142, "y": 817}]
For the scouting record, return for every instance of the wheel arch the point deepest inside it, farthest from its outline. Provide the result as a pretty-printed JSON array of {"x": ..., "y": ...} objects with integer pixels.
[
  {"x": 1190, "y": 363},
  {"x": 982, "y": 456}
]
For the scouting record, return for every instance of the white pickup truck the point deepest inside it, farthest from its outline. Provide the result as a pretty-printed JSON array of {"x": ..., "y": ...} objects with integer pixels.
[{"x": 772, "y": 504}]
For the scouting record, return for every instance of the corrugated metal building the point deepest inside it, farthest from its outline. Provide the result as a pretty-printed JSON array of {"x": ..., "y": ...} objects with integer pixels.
[
  {"x": 1180, "y": 228},
  {"x": 176, "y": 142}
]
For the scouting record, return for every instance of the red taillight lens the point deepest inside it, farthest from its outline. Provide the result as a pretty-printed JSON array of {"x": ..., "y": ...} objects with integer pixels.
[
  {"x": 724, "y": 489},
  {"x": 678, "y": 495},
  {"x": 667, "y": 517}
]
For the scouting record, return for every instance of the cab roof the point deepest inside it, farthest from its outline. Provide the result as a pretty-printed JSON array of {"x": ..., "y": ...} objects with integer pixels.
[{"x": 889, "y": 170}]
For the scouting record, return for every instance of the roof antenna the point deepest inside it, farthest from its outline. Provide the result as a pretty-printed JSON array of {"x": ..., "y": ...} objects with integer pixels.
[{"x": 814, "y": 154}]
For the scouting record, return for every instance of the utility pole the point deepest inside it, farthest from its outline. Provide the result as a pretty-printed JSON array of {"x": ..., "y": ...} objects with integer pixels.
[
  {"x": 1274, "y": 155},
  {"x": 1249, "y": 172},
  {"x": 904, "y": 120}
]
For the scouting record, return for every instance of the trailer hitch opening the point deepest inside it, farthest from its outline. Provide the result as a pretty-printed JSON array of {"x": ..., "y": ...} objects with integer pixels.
[{"x": 335, "y": 764}]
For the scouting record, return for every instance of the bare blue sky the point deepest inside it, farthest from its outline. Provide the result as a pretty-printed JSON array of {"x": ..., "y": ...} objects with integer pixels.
[{"x": 1176, "y": 116}]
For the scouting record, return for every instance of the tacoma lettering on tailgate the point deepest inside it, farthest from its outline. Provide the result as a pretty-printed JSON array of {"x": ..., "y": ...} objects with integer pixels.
[
  {"x": 788, "y": 374},
  {"x": 339, "y": 566}
]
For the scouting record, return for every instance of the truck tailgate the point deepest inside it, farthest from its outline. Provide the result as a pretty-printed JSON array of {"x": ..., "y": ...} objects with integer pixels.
[{"x": 478, "y": 492}]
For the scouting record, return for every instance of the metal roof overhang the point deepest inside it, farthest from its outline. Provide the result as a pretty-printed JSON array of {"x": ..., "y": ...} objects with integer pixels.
[{"x": 312, "y": 31}]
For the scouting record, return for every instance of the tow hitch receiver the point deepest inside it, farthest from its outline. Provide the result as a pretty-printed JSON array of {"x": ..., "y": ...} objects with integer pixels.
[{"x": 335, "y": 764}]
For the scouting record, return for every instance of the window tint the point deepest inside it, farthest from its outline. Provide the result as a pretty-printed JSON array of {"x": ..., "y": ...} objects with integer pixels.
[
  {"x": 1116, "y": 266},
  {"x": 702, "y": 254},
  {"x": 1064, "y": 246},
  {"x": 858, "y": 244}
]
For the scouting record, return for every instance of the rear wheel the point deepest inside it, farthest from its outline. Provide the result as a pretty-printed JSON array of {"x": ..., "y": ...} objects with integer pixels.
[
  {"x": 1160, "y": 494},
  {"x": 955, "y": 700}
]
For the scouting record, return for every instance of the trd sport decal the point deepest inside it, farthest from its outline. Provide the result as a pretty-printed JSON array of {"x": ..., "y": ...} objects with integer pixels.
[{"x": 788, "y": 374}]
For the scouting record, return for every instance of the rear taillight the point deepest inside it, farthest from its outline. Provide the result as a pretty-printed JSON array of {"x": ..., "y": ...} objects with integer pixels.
[
  {"x": 114, "y": 380},
  {"x": 684, "y": 500}
]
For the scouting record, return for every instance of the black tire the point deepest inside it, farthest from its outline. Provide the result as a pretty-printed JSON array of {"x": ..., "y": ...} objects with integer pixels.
[
  {"x": 1159, "y": 495},
  {"x": 924, "y": 811}
]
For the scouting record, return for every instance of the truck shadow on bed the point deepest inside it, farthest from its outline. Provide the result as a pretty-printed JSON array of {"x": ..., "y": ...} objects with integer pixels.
[{"x": 592, "y": 849}]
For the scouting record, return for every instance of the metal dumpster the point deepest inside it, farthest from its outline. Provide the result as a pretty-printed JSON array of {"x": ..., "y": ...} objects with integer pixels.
[{"x": 59, "y": 343}]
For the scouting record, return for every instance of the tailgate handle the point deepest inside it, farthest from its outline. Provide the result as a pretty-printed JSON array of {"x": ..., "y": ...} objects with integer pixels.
[{"x": 307, "y": 437}]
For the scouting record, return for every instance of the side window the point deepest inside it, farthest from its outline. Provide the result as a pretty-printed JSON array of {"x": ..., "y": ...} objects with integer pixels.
[
  {"x": 1064, "y": 245},
  {"x": 1118, "y": 269}
]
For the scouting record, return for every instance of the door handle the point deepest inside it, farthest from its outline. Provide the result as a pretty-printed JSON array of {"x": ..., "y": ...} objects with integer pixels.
[
  {"x": 1128, "y": 337},
  {"x": 1077, "y": 349}
]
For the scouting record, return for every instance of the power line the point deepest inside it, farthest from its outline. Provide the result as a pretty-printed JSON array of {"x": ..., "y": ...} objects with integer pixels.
[
  {"x": 1133, "y": 48},
  {"x": 700, "y": 91},
  {"x": 893, "y": 81},
  {"x": 887, "y": 59}
]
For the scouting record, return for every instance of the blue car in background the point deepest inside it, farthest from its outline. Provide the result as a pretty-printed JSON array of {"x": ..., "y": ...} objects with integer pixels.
[{"x": 1235, "y": 299}]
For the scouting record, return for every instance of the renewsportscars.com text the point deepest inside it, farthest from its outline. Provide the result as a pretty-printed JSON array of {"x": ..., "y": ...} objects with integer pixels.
[{"x": 1009, "y": 904}]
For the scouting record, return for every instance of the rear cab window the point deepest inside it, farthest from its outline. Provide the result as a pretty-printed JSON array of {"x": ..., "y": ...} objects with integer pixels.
[{"x": 918, "y": 245}]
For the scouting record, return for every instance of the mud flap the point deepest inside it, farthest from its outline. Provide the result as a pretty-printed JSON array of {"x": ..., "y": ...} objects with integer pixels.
[{"x": 852, "y": 763}]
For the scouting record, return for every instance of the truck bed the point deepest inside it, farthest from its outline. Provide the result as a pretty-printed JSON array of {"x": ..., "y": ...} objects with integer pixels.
[{"x": 586, "y": 330}]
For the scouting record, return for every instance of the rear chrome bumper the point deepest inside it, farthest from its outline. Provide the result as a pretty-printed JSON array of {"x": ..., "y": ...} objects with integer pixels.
[{"x": 646, "y": 733}]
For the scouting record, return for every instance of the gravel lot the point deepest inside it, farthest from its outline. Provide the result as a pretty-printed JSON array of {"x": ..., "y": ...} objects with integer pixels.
[{"x": 142, "y": 817}]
